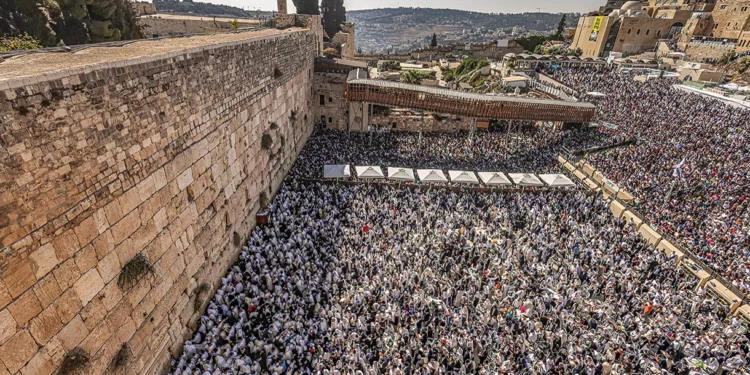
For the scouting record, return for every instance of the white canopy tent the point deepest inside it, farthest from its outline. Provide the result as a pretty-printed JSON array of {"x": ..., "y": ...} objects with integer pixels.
[
  {"x": 494, "y": 179},
  {"x": 556, "y": 180},
  {"x": 464, "y": 177},
  {"x": 337, "y": 171},
  {"x": 401, "y": 174},
  {"x": 431, "y": 175},
  {"x": 525, "y": 179},
  {"x": 369, "y": 172}
]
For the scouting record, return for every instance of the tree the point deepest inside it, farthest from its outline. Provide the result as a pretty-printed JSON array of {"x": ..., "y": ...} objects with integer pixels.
[
  {"x": 434, "y": 40},
  {"x": 306, "y": 6},
  {"x": 14, "y": 43},
  {"x": 415, "y": 77},
  {"x": 530, "y": 43},
  {"x": 334, "y": 14},
  {"x": 558, "y": 35}
]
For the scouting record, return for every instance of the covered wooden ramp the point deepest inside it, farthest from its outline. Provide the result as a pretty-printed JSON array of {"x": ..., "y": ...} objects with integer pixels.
[{"x": 466, "y": 104}]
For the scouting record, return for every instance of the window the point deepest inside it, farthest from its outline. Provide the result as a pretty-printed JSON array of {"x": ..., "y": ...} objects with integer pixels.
[
  {"x": 658, "y": 33},
  {"x": 330, "y": 99},
  {"x": 322, "y": 100},
  {"x": 638, "y": 32},
  {"x": 648, "y": 31},
  {"x": 330, "y": 120},
  {"x": 629, "y": 30}
]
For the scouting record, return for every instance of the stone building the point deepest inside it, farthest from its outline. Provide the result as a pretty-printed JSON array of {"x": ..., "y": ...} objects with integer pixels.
[
  {"x": 157, "y": 152},
  {"x": 703, "y": 29},
  {"x": 329, "y": 88},
  {"x": 628, "y": 30},
  {"x": 345, "y": 39}
]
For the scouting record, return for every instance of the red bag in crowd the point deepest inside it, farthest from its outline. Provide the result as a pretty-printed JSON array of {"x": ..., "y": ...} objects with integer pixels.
[
  {"x": 366, "y": 228},
  {"x": 251, "y": 308}
]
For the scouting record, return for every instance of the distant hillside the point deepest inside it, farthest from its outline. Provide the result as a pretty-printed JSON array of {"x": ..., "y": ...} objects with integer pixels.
[
  {"x": 201, "y": 8},
  {"x": 403, "y": 29},
  {"x": 429, "y": 16}
]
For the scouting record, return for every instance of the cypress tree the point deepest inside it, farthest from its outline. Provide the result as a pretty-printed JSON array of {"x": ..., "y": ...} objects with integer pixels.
[{"x": 334, "y": 14}]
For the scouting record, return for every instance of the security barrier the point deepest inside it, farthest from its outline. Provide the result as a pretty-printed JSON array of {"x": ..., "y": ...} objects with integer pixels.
[
  {"x": 617, "y": 208},
  {"x": 699, "y": 273},
  {"x": 633, "y": 219},
  {"x": 649, "y": 234},
  {"x": 724, "y": 294},
  {"x": 667, "y": 248}
]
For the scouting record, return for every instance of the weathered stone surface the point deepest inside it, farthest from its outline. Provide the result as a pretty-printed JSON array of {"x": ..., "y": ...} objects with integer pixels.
[
  {"x": 159, "y": 157},
  {"x": 18, "y": 277},
  {"x": 43, "y": 260},
  {"x": 25, "y": 308},
  {"x": 68, "y": 305},
  {"x": 17, "y": 351},
  {"x": 45, "y": 325},
  {"x": 7, "y": 326},
  {"x": 73, "y": 333},
  {"x": 88, "y": 286},
  {"x": 47, "y": 290},
  {"x": 41, "y": 364}
]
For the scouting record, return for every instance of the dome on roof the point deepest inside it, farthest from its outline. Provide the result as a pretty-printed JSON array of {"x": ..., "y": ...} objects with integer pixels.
[{"x": 632, "y": 5}]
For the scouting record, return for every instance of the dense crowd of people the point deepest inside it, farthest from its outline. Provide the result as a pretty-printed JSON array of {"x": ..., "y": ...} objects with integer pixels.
[
  {"x": 380, "y": 279},
  {"x": 704, "y": 202},
  {"x": 527, "y": 148},
  {"x": 387, "y": 279}
]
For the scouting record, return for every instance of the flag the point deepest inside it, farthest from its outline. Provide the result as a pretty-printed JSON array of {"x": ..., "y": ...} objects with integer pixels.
[{"x": 677, "y": 168}]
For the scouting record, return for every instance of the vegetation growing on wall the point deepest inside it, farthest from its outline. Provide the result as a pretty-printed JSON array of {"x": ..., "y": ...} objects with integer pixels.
[
  {"x": 466, "y": 66},
  {"x": 133, "y": 271},
  {"x": 22, "y": 42}
]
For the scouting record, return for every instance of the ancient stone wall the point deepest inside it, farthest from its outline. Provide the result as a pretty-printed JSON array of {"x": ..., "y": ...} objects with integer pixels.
[{"x": 167, "y": 156}]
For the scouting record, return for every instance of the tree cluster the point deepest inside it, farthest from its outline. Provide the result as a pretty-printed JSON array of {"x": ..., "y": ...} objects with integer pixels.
[{"x": 69, "y": 22}]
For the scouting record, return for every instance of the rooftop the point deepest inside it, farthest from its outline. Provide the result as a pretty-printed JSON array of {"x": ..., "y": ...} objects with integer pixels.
[
  {"x": 32, "y": 63},
  {"x": 465, "y": 95}
]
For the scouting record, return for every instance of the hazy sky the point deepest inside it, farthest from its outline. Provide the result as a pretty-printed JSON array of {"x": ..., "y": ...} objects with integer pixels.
[{"x": 498, "y": 6}]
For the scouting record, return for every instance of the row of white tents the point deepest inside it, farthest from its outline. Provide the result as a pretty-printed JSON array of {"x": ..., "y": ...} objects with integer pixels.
[{"x": 437, "y": 176}]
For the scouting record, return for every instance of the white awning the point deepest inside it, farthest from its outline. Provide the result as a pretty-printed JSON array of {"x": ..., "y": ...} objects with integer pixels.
[
  {"x": 337, "y": 171},
  {"x": 464, "y": 177},
  {"x": 401, "y": 174},
  {"x": 369, "y": 172},
  {"x": 557, "y": 180},
  {"x": 525, "y": 179},
  {"x": 431, "y": 175},
  {"x": 494, "y": 179}
]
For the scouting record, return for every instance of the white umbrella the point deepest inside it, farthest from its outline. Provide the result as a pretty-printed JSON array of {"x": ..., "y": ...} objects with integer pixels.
[
  {"x": 525, "y": 179},
  {"x": 337, "y": 171},
  {"x": 494, "y": 179},
  {"x": 369, "y": 172},
  {"x": 431, "y": 175},
  {"x": 556, "y": 180},
  {"x": 465, "y": 177},
  {"x": 401, "y": 174}
]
